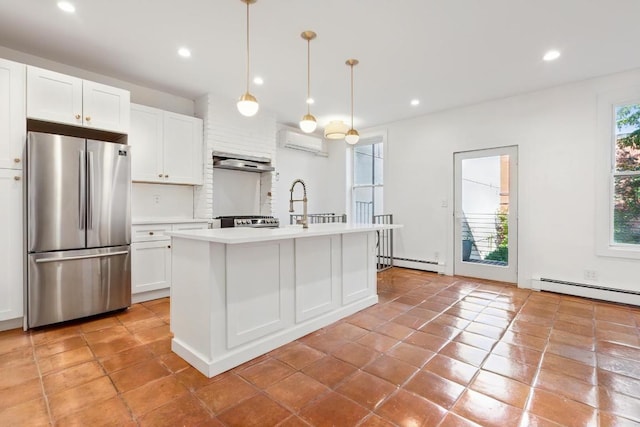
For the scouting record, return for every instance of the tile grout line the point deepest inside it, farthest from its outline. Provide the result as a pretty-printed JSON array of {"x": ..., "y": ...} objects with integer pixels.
[
  {"x": 532, "y": 387},
  {"x": 44, "y": 393}
]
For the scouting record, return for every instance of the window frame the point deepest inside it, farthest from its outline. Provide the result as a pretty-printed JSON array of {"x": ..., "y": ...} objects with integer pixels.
[
  {"x": 366, "y": 139},
  {"x": 605, "y": 183}
]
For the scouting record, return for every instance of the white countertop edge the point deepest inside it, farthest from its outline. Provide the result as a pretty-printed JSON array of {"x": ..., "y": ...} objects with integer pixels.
[
  {"x": 175, "y": 220},
  {"x": 250, "y": 235}
]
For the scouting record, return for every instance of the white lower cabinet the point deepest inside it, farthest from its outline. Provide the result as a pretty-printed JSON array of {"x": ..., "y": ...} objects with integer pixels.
[
  {"x": 11, "y": 252},
  {"x": 150, "y": 266},
  {"x": 151, "y": 258}
]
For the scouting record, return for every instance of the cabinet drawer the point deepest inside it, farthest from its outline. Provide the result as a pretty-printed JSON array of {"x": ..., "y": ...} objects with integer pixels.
[
  {"x": 150, "y": 232},
  {"x": 190, "y": 226}
]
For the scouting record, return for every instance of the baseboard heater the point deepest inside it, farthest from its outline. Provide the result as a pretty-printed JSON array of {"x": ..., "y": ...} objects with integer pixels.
[
  {"x": 585, "y": 290},
  {"x": 419, "y": 264}
]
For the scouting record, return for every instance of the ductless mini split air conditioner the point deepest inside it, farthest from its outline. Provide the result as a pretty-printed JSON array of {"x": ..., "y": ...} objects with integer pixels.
[{"x": 298, "y": 141}]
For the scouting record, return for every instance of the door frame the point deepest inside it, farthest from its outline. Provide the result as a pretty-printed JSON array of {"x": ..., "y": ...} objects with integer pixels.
[{"x": 507, "y": 273}]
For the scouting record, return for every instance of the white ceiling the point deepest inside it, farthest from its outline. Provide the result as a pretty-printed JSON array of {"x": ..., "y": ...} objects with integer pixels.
[{"x": 447, "y": 53}]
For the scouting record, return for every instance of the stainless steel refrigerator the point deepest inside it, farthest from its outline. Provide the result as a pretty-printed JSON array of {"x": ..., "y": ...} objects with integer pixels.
[{"x": 78, "y": 228}]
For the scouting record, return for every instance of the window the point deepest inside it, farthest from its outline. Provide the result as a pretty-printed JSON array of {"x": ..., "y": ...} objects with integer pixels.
[
  {"x": 368, "y": 180},
  {"x": 626, "y": 176},
  {"x": 618, "y": 173}
]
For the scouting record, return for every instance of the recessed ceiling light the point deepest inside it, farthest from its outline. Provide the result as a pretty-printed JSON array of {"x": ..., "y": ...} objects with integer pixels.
[
  {"x": 415, "y": 102},
  {"x": 310, "y": 101},
  {"x": 184, "y": 52},
  {"x": 66, "y": 6},
  {"x": 551, "y": 55},
  {"x": 258, "y": 81}
]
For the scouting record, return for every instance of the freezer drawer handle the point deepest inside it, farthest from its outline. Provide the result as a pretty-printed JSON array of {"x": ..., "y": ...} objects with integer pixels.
[{"x": 71, "y": 258}]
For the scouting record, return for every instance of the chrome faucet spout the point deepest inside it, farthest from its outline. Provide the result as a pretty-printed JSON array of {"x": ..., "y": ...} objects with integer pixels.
[{"x": 305, "y": 218}]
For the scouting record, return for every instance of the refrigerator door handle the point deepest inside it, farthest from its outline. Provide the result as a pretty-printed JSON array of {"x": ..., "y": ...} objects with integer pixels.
[
  {"x": 90, "y": 191},
  {"x": 71, "y": 258},
  {"x": 82, "y": 203}
]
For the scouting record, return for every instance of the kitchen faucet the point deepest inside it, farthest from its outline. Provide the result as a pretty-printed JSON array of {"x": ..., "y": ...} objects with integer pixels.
[{"x": 305, "y": 219}]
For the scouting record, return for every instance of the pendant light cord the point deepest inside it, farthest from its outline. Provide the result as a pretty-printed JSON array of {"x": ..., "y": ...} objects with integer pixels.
[
  {"x": 351, "y": 96},
  {"x": 308, "y": 75},
  {"x": 248, "y": 59}
]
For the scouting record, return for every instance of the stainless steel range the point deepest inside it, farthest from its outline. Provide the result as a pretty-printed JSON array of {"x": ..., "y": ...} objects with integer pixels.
[{"x": 253, "y": 221}]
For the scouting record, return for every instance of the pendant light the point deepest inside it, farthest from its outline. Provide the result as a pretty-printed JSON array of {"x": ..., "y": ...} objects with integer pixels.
[
  {"x": 352, "y": 135},
  {"x": 308, "y": 123},
  {"x": 248, "y": 104},
  {"x": 335, "y": 129}
]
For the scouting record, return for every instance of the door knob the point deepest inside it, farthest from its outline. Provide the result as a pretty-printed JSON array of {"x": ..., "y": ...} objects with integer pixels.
[
  {"x": 16, "y": 178},
  {"x": 159, "y": 175},
  {"x": 166, "y": 176},
  {"x": 16, "y": 160},
  {"x": 151, "y": 233},
  {"x": 88, "y": 118},
  {"x": 169, "y": 247},
  {"x": 78, "y": 116}
]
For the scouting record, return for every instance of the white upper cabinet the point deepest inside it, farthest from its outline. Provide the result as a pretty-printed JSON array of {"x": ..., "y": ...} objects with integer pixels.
[
  {"x": 105, "y": 107},
  {"x": 182, "y": 148},
  {"x": 165, "y": 147},
  {"x": 13, "y": 125},
  {"x": 56, "y": 97},
  {"x": 145, "y": 139}
]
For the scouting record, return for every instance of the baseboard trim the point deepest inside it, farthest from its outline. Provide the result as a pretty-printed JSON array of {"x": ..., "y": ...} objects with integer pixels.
[
  {"x": 150, "y": 295},
  {"x": 6, "y": 325}
]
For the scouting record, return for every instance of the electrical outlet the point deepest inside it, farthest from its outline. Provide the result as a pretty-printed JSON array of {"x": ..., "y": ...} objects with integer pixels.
[
  {"x": 591, "y": 275},
  {"x": 156, "y": 199}
]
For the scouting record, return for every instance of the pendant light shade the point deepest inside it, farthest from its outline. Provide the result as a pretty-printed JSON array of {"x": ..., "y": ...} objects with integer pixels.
[
  {"x": 336, "y": 129},
  {"x": 248, "y": 104},
  {"x": 352, "y": 137},
  {"x": 308, "y": 123}
]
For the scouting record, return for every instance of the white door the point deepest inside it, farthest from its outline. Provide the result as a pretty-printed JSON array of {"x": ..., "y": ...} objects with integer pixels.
[
  {"x": 13, "y": 126},
  {"x": 11, "y": 247},
  {"x": 486, "y": 214}
]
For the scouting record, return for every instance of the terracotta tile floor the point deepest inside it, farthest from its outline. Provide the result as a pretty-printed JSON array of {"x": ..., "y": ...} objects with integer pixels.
[{"x": 436, "y": 351}]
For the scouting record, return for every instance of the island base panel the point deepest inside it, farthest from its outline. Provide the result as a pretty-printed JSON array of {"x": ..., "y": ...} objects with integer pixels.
[{"x": 236, "y": 357}]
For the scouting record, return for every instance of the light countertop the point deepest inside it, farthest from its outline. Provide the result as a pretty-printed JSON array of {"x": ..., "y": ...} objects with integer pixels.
[
  {"x": 249, "y": 235},
  {"x": 171, "y": 220}
]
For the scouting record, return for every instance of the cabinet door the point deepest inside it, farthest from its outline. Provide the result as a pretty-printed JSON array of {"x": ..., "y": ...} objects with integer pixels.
[
  {"x": 150, "y": 266},
  {"x": 54, "y": 97},
  {"x": 12, "y": 114},
  {"x": 11, "y": 244},
  {"x": 182, "y": 149},
  {"x": 105, "y": 107},
  {"x": 145, "y": 139}
]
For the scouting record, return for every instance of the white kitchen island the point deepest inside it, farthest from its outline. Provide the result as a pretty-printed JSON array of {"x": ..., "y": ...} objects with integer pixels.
[{"x": 238, "y": 293}]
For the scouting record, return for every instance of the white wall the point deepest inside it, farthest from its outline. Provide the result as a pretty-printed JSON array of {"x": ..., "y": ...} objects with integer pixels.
[
  {"x": 323, "y": 176},
  {"x": 161, "y": 201},
  {"x": 555, "y": 131}
]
